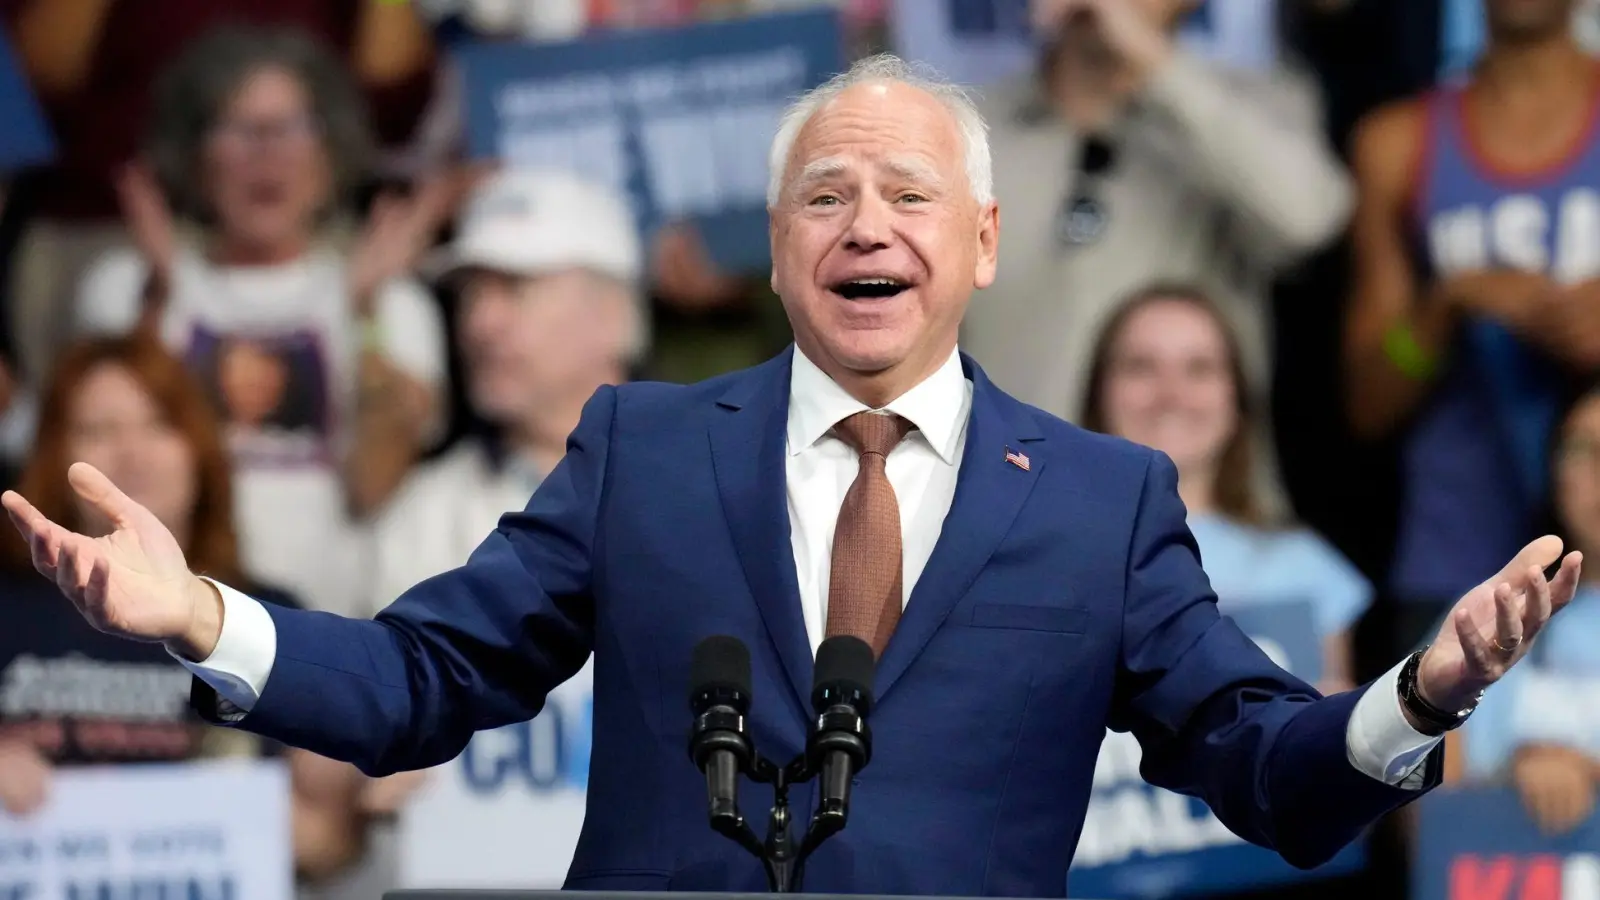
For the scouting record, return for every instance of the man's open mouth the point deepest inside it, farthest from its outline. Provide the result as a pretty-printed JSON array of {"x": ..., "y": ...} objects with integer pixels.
[{"x": 876, "y": 288}]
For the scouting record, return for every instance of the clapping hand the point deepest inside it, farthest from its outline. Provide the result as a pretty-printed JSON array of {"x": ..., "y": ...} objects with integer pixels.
[
  {"x": 24, "y": 777},
  {"x": 1130, "y": 33},
  {"x": 1491, "y": 628},
  {"x": 1557, "y": 786},
  {"x": 149, "y": 219},
  {"x": 132, "y": 582},
  {"x": 1106, "y": 51},
  {"x": 399, "y": 229}
]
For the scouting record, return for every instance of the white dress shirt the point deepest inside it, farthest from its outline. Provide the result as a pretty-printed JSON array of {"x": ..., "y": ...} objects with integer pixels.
[{"x": 819, "y": 470}]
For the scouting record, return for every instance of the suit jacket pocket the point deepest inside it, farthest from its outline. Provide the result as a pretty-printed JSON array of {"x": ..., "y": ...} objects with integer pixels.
[{"x": 1056, "y": 619}]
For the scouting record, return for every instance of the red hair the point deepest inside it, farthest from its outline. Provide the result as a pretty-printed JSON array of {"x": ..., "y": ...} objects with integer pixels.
[{"x": 213, "y": 546}]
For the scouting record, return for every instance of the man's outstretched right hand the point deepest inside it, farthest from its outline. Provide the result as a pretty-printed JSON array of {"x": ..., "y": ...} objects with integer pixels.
[{"x": 133, "y": 582}]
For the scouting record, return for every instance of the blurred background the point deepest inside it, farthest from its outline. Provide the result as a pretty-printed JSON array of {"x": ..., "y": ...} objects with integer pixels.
[{"x": 326, "y": 283}]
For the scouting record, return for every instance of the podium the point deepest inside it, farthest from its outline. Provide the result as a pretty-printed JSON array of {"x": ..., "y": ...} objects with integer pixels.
[{"x": 625, "y": 895}]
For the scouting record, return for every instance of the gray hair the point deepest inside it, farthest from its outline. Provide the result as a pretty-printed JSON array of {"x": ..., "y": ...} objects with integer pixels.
[
  {"x": 194, "y": 91},
  {"x": 888, "y": 67}
]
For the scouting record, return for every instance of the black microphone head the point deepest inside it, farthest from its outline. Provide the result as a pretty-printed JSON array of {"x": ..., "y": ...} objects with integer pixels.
[
  {"x": 843, "y": 674},
  {"x": 719, "y": 671}
]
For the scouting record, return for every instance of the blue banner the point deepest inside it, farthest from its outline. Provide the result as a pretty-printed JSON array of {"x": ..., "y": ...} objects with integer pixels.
[
  {"x": 1143, "y": 843},
  {"x": 1479, "y": 844},
  {"x": 505, "y": 813},
  {"x": 26, "y": 140},
  {"x": 680, "y": 119}
]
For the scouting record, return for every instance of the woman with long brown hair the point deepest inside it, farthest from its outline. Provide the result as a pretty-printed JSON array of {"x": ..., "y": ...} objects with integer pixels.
[
  {"x": 70, "y": 695},
  {"x": 1166, "y": 372}
]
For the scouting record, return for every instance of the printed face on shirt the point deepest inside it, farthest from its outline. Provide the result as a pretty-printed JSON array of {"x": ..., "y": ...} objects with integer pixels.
[
  {"x": 1525, "y": 20},
  {"x": 877, "y": 240},
  {"x": 553, "y": 340},
  {"x": 1577, "y": 474},
  {"x": 1170, "y": 386},
  {"x": 271, "y": 391},
  {"x": 252, "y": 380},
  {"x": 116, "y": 426},
  {"x": 266, "y": 171}
]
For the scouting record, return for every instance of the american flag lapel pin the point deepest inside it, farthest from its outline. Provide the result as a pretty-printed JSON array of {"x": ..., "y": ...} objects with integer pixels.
[{"x": 1017, "y": 458}]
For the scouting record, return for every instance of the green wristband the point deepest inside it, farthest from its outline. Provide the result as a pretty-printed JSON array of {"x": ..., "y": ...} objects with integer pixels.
[
  {"x": 1411, "y": 358},
  {"x": 371, "y": 334}
]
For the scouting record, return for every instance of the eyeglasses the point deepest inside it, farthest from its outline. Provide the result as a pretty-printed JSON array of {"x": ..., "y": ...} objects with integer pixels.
[
  {"x": 1083, "y": 215},
  {"x": 245, "y": 134}
]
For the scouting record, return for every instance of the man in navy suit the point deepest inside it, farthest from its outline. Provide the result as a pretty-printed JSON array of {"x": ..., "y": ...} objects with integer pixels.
[{"x": 1026, "y": 584}]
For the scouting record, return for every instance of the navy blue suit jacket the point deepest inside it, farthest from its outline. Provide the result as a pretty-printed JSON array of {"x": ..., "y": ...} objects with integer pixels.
[{"x": 1060, "y": 600}]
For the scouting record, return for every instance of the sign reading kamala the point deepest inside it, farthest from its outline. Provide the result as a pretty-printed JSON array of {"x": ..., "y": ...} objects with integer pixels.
[
  {"x": 507, "y": 811},
  {"x": 1141, "y": 843},
  {"x": 199, "y": 831},
  {"x": 1478, "y": 844},
  {"x": 679, "y": 119}
]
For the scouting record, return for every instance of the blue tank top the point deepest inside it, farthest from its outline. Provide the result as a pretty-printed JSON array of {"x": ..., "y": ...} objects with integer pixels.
[{"x": 1474, "y": 465}]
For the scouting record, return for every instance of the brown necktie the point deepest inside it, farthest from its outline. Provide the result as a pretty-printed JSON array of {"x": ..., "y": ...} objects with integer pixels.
[{"x": 865, "y": 578}]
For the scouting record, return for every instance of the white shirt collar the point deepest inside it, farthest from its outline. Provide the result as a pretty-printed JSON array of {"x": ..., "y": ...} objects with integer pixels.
[{"x": 937, "y": 406}]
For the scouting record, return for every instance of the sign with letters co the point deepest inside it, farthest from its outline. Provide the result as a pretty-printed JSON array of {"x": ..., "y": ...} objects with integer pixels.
[
  {"x": 679, "y": 119},
  {"x": 1143, "y": 843},
  {"x": 505, "y": 813},
  {"x": 1476, "y": 843},
  {"x": 201, "y": 831}
]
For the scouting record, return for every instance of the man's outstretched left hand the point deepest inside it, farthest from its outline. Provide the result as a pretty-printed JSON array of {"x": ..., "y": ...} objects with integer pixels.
[{"x": 1494, "y": 624}]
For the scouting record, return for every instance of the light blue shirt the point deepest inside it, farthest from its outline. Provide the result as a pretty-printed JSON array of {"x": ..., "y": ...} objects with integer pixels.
[
  {"x": 1552, "y": 696},
  {"x": 1249, "y": 565}
]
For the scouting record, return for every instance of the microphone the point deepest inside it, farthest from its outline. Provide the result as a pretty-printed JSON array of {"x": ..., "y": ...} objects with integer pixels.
[
  {"x": 719, "y": 695},
  {"x": 841, "y": 744}
]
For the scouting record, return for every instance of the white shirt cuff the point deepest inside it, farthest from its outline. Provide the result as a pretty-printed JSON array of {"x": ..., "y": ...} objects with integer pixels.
[
  {"x": 240, "y": 664},
  {"x": 1381, "y": 743}
]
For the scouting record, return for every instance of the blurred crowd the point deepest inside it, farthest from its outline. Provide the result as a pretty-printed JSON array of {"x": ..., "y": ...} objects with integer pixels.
[{"x": 1340, "y": 259}]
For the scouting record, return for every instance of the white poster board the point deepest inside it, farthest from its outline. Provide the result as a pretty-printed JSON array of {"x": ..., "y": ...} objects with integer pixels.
[
  {"x": 507, "y": 811},
  {"x": 200, "y": 831}
]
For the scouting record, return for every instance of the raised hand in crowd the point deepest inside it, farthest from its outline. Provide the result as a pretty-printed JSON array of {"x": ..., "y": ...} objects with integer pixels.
[
  {"x": 1110, "y": 48},
  {"x": 399, "y": 229},
  {"x": 151, "y": 225},
  {"x": 1557, "y": 785},
  {"x": 683, "y": 274},
  {"x": 24, "y": 777},
  {"x": 1564, "y": 321}
]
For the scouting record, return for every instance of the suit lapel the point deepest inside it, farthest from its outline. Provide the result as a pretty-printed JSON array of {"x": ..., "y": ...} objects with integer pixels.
[
  {"x": 990, "y": 491},
  {"x": 748, "y": 433}
]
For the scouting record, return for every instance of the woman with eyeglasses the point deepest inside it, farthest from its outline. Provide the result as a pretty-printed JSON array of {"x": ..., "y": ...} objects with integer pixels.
[{"x": 323, "y": 357}]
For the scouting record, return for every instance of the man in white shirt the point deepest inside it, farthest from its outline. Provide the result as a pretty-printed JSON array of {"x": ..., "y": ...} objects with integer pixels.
[{"x": 1062, "y": 593}]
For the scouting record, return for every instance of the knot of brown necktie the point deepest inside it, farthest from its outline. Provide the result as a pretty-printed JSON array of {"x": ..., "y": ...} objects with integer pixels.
[{"x": 865, "y": 578}]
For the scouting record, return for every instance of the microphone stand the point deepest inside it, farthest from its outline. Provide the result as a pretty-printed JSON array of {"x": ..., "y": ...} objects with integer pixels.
[{"x": 783, "y": 861}]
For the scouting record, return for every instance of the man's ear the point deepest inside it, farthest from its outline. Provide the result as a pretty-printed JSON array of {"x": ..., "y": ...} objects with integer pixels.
[
  {"x": 988, "y": 237},
  {"x": 772, "y": 244}
]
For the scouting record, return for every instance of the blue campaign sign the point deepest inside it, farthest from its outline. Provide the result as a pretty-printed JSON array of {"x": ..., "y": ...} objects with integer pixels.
[
  {"x": 1144, "y": 843},
  {"x": 988, "y": 17},
  {"x": 1478, "y": 844},
  {"x": 680, "y": 119},
  {"x": 26, "y": 140}
]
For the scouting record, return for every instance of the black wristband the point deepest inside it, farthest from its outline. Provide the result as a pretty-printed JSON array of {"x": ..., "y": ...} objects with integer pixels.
[{"x": 1435, "y": 721}]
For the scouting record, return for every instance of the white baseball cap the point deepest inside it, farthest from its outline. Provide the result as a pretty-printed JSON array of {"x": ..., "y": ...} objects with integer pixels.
[{"x": 532, "y": 221}]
